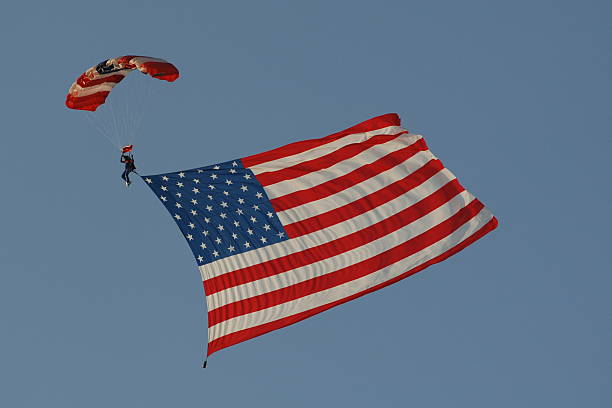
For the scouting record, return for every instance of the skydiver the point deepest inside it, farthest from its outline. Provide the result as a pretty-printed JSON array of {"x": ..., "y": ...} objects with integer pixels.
[{"x": 128, "y": 159}]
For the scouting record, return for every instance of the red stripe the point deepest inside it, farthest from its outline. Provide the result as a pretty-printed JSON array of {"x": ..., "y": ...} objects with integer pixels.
[
  {"x": 346, "y": 274},
  {"x": 366, "y": 203},
  {"x": 89, "y": 102},
  {"x": 246, "y": 334},
  {"x": 330, "y": 249},
  {"x": 348, "y": 180},
  {"x": 85, "y": 82},
  {"x": 379, "y": 122},
  {"x": 160, "y": 70},
  {"x": 323, "y": 162}
]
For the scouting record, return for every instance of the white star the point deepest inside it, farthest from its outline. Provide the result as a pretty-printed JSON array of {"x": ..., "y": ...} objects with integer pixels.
[
  {"x": 225, "y": 193},
  {"x": 228, "y": 182},
  {"x": 200, "y": 171},
  {"x": 281, "y": 234},
  {"x": 194, "y": 201},
  {"x": 180, "y": 184},
  {"x": 247, "y": 244},
  {"x": 223, "y": 215},
  {"x": 209, "y": 207},
  {"x": 148, "y": 180},
  {"x": 164, "y": 178},
  {"x": 164, "y": 188},
  {"x": 215, "y": 253},
  {"x": 263, "y": 240},
  {"x": 241, "y": 200},
  {"x": 181, "y": 174},
  {"x": 266, "y": 227},
  {"x": 244, "y": 188},
  {"x": 253, "y": 219},
  {"x": 239, "y": 211},
  {"x": 269, "y": 214},
  {"x": 250, "y": 231},
  {"x": 211, "y": 186},
  {"x": 247, "y": 176},
  {"x": 232, "y": 170},
  {"x": 231, "y": 248},
  {"x": 234, "y": 164},
  {"x": 213, "y": 176},
  {"x": 255, "y": 207},
  {"x": 234, "y": 235},
  {"x": 164, "y": 199},
  {"x": 178, "y": 217},
  {"x": 194, "y": 212},
  {"x": 258, "y": 194},
  {"x": 191, "y": 225},
  {"x": 218, "y": 240},
  {"x": 200, "y": 258},
  {"x": 236, "y": 224},
  {"x": 205, "y": 232},
  {"x": 220, "y": 227},
  {"x": 179, "y": 195},
  {"x": 196, "y": 181},
  {"x": 190, "y": 237},
  {"x": 195, "y": 190},
  {"x": 203, "y": 245},
  {"x": 223, "y": 204},
  {"x": 216, "y": 167},
  {"x": 206, "y": 220},
  {"x": 210, "y": 197},
  {"x": 178, "y": 205}
]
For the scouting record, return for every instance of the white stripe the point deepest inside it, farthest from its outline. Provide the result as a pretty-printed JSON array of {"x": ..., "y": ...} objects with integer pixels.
[
  {"x": 357, "y": 191},
  {"x": 322, "y": 150},
  {"x": 290, "y": 246},
  {"x": 356, "y": 255},
  {"x": 80, "y": 92},
  {"x": 314, "y": 178},
  {"x": 347, "y": 289},
  {"x": 143, "y": 60}
]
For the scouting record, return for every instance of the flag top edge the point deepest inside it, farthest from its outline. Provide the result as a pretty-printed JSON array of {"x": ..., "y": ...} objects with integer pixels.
[{"x": 377, "y": 122}]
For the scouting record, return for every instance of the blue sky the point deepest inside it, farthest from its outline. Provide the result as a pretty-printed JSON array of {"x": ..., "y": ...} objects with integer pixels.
[{"x": 100, "y": 300}]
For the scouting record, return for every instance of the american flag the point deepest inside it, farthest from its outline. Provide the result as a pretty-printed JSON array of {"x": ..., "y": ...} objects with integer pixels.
[{"x": 285, "y": 234}]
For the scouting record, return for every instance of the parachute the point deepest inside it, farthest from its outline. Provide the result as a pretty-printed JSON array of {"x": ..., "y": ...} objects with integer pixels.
[{"x": 91, "y": 89}]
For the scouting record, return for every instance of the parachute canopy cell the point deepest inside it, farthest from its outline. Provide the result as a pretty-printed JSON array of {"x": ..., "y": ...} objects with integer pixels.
[{"x": 91, "y": 89}]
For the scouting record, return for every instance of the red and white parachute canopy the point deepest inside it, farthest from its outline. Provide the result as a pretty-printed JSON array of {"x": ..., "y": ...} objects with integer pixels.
[{"x": 93, "y": 86}]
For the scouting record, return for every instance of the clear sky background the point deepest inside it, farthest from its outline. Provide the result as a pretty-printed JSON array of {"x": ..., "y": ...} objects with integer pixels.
[{"x": 101, "y": 303}]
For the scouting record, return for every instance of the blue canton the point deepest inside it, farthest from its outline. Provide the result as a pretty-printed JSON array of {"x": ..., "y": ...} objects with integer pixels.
[{"x": 222, "y": 210}]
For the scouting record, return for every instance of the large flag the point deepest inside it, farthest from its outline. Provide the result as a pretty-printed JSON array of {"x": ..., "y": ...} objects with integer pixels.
[{"x": 285, "y": 234}]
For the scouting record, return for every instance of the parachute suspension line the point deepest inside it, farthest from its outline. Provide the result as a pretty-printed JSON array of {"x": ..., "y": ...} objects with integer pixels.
[
  {"x": 128, "y": 121},
  {"x": 115, "y": 124},
  {"x": 133, "y": 110},
  {"x": 146, "y": 94},
  {"x": 135, "y": 119},
  {"x": 100, "y": 129},
  {"x": 127, "y": 113}
]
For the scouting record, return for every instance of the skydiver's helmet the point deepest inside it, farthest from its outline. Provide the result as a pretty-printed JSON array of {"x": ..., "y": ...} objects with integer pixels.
[{"x": 127, "y": 148}]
